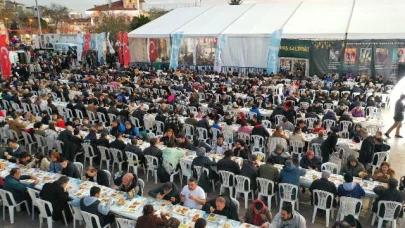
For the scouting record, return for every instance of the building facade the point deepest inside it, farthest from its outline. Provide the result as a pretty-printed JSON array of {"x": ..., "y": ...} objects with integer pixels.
[{"x": 125, "y": 8}]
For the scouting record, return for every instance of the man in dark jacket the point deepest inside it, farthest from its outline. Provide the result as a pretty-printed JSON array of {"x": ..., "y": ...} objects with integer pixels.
[
  {"x": 367, "y": 148},
  {"x": 98, "y": 176},
  {"x": 153, "y": 150},
  {"x": 389, "y": 194},
  {"x": 227, "y": 164},
  {"x": 69, "y": 169},
  {"x": 65, "y": 135},
  {"x": 329, "y": 145},
  {"x": 57, "y": 194},
  {"x": 398, "y": 118},
  {"x": 118, "y": 143},
  {"x": 134, "y": 148},
  {"x": 204, "y": 123},
  {"x": 310, "y": 161},
  {"x": 18, "y": 190},
  {"x": 183, "y": 142},
  {"x": 325, "y": 185},
  {"x": 168, "y": 191},
  {"x": 222, "y": 205}
]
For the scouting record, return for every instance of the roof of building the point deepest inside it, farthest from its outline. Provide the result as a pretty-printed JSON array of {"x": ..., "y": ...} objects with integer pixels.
[{"x": 117, "y": 5}]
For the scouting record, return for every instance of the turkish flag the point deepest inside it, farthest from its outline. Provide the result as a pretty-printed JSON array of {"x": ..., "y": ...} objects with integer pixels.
[
  {"x": 153, "y": 51},
  {"x": 120, "y": 48},
  {"x": 127, "y": 54},
  {"x": 87, "y": 42},
  {"x": 5, "y": 57}
]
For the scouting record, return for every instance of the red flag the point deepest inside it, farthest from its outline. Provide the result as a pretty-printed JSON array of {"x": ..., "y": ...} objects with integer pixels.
[
  {"x": 86, "y": 42},
  {"x": 127, "y": 54},
  {"x": 120, "y": 48},
  {"x": 5, "y": 57},
  {"x": 153, "y": 52}
]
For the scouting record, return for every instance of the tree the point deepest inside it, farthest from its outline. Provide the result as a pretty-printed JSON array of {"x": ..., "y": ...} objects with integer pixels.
[
  {"x": 156, "y": 12},
  {"x": 113, "y": 25},
  {"x": 139, "y": 21},
  {"x": 57, "y": 13},
  {"x": 235, "y": 2}
]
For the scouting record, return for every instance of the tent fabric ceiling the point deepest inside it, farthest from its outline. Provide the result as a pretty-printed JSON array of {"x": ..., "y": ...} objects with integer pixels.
[
  {"x": 385, "y": 22},
  {"x": 326, "y": 19},
  {"x": 166, "y": 24}
]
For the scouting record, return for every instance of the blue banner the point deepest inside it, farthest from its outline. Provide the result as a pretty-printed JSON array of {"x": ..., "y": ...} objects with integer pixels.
[
  {"x": 274, "y": 47},
  {"x": 221, "y": 41},
  {"x": 174, "y": 54},
  {"x": 100, "y": 47}
]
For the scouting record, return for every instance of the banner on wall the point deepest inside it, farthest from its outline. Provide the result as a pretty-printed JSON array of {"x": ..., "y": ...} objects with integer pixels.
[
  {"x": 158, "y": 49},
  {"x": 110, "y": 47},
  {"x": 274, "y": 47},
  {"x": 175, "y": 49},
  {"x": 5, "y": 57},
  {"x": 47, "y": 40},
  {"x": 100, "y": 47},
  {"x": 357, "y": 57},
  {"x": 126, "y": 54},
  {"x": 86, "y": 42},
  {"x": 218, "y": 52},
  {"x": 295, "y": 48}
]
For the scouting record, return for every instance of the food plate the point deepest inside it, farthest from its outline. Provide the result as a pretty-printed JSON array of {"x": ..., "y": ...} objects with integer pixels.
[
  {"x": 211, "y": 218},
  {"x": 181, "y": 210},
  {"x": 188, "y": 225},
  {"x": 246, "y": 225}
]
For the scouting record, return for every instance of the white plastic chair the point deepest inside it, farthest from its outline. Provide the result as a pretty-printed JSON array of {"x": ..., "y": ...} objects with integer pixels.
[
  {"x": 77, "y": 215},
  {"x": 34, "y": 195},
  {"x": 266, "y": 123},
  {"x": 245, "y": 137},
  {"x": 141, "y": 185},
  {"x": 103, "y": 156},
  {"x": 79, "y": 167},
  {"x": 226, "y": 176},
  {"x": 185, "y": 166},
  {"x": 297, "y": 147},
  {"x": 11, "y": 205},
  {"x": 345, "y": 125},
  {"x": 320, "y": 200},
  {"x": 160, "y": 127},
  {"x": 316, "y": 148},
  {"x": 134, "y": 121},
  {"x": 228, "y": 136},
  {"x": 373, "y": 112},
  {"x": 199, "y": 170},
  {"x": 389, "y": 213},
  {"x": 89, "y": 218},
  {"x": 331, "y": 167},
  {"x": 79, "y": 115},
  {"x": 310, "y": 123},
  {"x": 260, "y": 156},
  {"x": 202, "y": 134},
  {"x": 28, "y": 141},
  {"x": 329, "y": 124},
  {"x": 277, "y": 140},
  {"x": 88, "y": 153},
  {"x": 108, "y": 175},
  {"x": 125, "y": 223},
  {"x": 117, "y": 158},
  {"x": 153, "y": 164},
  {"x": 251, "y": 115},
  {"x": 347, "y": 206},
  {"x": 380, "y": 157},
  {"x": 101, "y": 118},
  {"x": 286, "y": 193},
  {"x": 59, "y": 146},
  {"x": 43, "y": 214},
  {"x": 133, "y": 161},
  {"x": 266, "y": 189},
  {"x": 42, "y": 144},
  {"x": 190, "y": 131},
  {"x": 279, "y": 119},
  {"x": 240, "y": 187},
  {"x": 258, "y": 143}
]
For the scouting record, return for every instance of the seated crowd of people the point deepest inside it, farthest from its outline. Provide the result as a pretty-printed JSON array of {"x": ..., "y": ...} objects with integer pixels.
[{"x": 115, "y": 107}]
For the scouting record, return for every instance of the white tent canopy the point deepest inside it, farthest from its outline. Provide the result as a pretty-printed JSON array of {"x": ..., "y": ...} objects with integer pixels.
[
  {"x": 319, "y": 20},
  {"x": 385, "y": 22},
  {"x": 261, "y": 20},
  {"x": 213, "y": 22},
  {"x": 165, "y": 25}
]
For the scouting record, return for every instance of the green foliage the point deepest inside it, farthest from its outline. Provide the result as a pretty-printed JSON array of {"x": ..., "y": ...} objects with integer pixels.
[
  {"x": 156, "y": 13},
  {"x": 139, "y": 21},
  {"x": 235, "y": 2},
  {"x": 57, "y": 13},
  {"x": 113, "y": 25}
]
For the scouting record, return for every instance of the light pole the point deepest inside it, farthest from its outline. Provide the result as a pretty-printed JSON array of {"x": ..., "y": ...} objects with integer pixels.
[{"x": 39, "y": 19}]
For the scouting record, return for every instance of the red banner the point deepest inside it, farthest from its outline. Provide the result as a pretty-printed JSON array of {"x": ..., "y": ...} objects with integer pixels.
[
  {"x": 153, "y": 50},
  {"x": 86, "y": 42},
  {"x": 127, "y": 54},
  {"x": 5, "y": 57},
  {"x": 120, "y": 48}
]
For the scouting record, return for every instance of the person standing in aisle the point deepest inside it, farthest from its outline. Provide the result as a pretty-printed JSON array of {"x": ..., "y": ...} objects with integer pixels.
[{"x": 398, "y": 118}]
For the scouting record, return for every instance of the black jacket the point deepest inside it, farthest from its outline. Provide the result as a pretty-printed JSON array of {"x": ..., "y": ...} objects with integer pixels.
[
  {"x": 260, "y": 130},
  {"x": 228, "y": 165},
  {"x": 390, "y": 194},
  {"x": 328, "y": 147},
  {"x": 71, "y": 171},
  {"x": 103, "y": 142},
  {"x": 56, "y": 195},
  {"x": 173, "y": 193},
  {"x": 324, "y": 185},
  {"x": 229, "y": 210},
  {"x": 102, "y": 178},
  {"x": 65, "y": 135},
  {"x": 366, "y": 151},
  {"x": 154, "y": 151},
  {"x": 118, "y": 144}
]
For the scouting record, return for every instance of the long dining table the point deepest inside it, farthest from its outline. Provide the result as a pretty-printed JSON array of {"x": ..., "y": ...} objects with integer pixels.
[{"x": 128, "y": 208}]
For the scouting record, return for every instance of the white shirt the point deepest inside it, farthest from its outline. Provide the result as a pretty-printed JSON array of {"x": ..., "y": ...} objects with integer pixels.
[{"x": 198, "y": 192}]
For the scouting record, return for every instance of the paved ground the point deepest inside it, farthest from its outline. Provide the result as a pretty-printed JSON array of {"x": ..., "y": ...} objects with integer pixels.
[{"x": 397, "y": 157}]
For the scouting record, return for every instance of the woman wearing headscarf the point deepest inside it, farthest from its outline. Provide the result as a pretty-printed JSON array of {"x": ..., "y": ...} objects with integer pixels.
[{"x": 257, "y": 214}]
